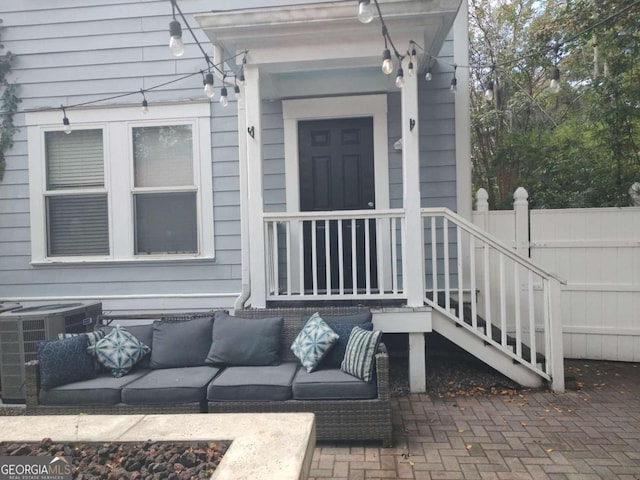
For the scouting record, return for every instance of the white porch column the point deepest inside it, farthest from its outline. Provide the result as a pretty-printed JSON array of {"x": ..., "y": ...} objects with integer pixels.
[
  {"x": 253, "y": 132},
  {"x": 413, "y": 274}
]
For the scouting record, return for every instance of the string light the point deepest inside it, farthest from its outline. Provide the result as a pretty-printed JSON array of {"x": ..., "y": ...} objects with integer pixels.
[
  {"x": 175, "y": 31},
  {"x": 454, "y": 80},
  {"x": 145, "y": 104},
  {"x": 488, "y": 93},
  {"x": 65, "y": 121},
  {"x": 387, "y": 64},
  {"x": 365, "y": 11},
  {"x": 400, "y": 78},
  {"x": 209, "y": 91},
  {"x": 224, "y": 101}
]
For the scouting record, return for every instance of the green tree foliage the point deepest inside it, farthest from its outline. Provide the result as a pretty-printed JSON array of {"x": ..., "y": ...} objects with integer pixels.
[
  {"x": 8, "y": 106},
  {"x": 576, "y": 148}
]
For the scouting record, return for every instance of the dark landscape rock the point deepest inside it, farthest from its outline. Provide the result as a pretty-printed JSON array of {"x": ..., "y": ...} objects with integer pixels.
[{"x": 130, "y": 461}]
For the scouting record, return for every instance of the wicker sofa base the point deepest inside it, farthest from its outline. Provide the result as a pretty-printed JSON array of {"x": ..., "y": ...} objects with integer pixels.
[{"x": 336, "y": 420}]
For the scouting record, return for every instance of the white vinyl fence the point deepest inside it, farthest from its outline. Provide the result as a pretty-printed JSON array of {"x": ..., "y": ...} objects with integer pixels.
[{"x": 596, "y": 252}]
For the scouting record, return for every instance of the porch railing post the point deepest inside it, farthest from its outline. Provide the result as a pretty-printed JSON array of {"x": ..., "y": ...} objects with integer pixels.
[
  {"x": 521, "y": 213},
  {"x": 253, "y": 134}
]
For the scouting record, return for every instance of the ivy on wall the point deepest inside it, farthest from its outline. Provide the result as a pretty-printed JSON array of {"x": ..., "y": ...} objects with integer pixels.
[{"x": 8, "y": 106}]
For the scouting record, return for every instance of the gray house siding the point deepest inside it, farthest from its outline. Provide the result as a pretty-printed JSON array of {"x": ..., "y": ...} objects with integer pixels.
[
  {"x": 69, "y": 52},
  {"x": 75, "y": 51}
]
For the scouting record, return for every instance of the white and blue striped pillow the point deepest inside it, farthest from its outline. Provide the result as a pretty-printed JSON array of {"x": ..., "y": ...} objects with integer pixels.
[{"x": 361, "y": 349}]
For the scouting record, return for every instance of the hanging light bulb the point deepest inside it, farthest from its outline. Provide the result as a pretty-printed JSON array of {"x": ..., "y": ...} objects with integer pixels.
[
  {"x": 400, "y": 78},
  {"x": 65, "y": 122},
  {"x": 410, "y": 69},
  {"x": 236, "y": 90},
  {"x": 427, "y": 76},
  {"x": 488, "y": 93},
  {"x": 145, "y": 105},
  {"x": 365, "y": 11},
  {"x": 554, "y": 86},
  {"x": 209, "y": 91},
  {"x": 175, "y": 42},
  {"x": 224, "y": 101},
  {"x": 454, "y": 84},
  {"x": 413, "y": 56},
  {"x": 387, "y": 63}
]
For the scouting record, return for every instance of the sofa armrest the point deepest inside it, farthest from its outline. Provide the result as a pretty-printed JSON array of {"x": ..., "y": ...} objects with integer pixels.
[
  {"x": 382, "y": 372},
  {"x": 32, "y": 384}
]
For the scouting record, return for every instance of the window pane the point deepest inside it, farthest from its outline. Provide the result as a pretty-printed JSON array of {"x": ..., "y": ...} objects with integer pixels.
[
  {"x": 163, "y": 156},
  {"x": 78, "y": 225},
  {"x": 75, "y": 160},
  {"x": 166, "y": 223}
]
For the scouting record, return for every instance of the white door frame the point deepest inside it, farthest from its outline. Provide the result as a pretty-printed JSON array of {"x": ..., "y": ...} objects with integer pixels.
[{"x": 374, "y": 106}]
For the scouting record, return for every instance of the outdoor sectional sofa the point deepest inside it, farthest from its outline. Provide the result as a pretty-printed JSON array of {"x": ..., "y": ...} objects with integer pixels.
[{"x": 176, "y": 378}]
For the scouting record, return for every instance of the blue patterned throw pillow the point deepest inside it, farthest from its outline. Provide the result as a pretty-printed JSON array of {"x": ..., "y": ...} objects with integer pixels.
[
  {"x": 64, "y": 361},
  {"x": 119, "y": 351},
  {"x": 92, "y": 339},
  {"x": 313, "y": 342},
  {"x": 361, "y": 349}
]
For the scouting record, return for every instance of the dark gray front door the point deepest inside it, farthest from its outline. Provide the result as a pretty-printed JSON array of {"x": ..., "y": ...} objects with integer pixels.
[{"x": 337, "y": 173}]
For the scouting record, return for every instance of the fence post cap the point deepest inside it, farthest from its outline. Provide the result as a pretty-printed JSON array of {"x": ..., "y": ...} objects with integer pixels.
[{"x": 520, "y": 194}]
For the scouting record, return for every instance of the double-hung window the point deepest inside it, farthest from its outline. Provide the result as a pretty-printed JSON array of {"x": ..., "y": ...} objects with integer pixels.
[{"x": 122, "y": 185}]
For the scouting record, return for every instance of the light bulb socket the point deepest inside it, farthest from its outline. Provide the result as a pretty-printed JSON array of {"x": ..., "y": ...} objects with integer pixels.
[
  {"x": 454, "y": 84},
  {"x": 386, "y": 54},
  {"x": 145, "y": 106},
  {"x": 175, "y": 29},
  {"x": 65, "y": 122},
  {"x": 236, "y": 90},
  {"x": 208, "y": 79},
  {"x": 223, "y": 92}
]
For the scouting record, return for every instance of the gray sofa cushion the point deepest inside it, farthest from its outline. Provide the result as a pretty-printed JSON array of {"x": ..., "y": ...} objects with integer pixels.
[
  {"x": 331, "y": 384},
  {"x": 103, "y": 390},
  {"x": 170, "y": 385},
  {"x": 144, "y": 333},
  {"x": 181, "y": 344},
  {"x": 242, "y": 341},
  {"x": 253, "y": 383}
]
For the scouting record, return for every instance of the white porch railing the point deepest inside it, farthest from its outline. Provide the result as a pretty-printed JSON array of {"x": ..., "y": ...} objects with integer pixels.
[
  {"x": 493, "y": 292},
  {"x": 355, "y": 254},
  {"x": 470, "y": 277}
]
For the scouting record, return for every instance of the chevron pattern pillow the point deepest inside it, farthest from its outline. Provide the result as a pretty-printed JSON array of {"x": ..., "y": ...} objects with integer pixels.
[
  {"x": 119, "y": 351},
  {"x": 359, "y": 356},
  {"x": 313, "y": 342}
]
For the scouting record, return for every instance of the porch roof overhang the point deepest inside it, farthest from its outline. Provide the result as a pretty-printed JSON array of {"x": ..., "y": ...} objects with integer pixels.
[{"x": 322, "y": 48}]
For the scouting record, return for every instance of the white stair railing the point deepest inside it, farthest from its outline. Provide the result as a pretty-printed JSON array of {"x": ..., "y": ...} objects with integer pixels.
[{"x": 494, "y": 293}]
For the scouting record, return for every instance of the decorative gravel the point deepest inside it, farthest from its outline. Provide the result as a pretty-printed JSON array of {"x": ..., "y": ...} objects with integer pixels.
[{"x": 130, "y": 461}]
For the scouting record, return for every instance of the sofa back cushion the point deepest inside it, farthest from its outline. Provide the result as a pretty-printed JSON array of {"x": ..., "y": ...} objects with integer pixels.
[
  {"x": 181, "y": 343},
  {"x": 241, "y": 341}
]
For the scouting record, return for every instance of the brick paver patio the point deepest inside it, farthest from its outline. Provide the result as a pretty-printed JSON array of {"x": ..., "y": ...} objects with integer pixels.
[{"x": 590, "y": 432}]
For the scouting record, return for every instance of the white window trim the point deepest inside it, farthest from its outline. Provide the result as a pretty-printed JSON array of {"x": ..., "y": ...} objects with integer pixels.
[{"x": 116, "y": 123}]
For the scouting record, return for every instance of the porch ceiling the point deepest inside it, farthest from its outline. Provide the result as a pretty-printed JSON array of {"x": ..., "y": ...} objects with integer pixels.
[{"x": 322, "y": 48}]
